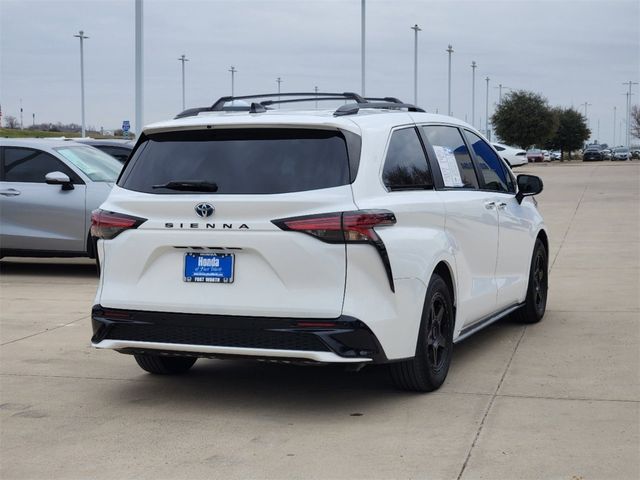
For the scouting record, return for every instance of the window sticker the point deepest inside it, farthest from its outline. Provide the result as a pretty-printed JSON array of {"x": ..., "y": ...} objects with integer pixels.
[{"x": 448, "y": 166}]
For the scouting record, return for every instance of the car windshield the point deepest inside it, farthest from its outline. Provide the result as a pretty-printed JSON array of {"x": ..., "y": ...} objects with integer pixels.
[
  {"x": 621, "y": 150},
  {"x": 96, "y": 165},
  {"x": 534, "y": 150}
]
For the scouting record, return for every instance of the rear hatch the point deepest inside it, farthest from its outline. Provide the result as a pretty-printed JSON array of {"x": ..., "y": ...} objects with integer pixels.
[{"x": 206, "y": 243}]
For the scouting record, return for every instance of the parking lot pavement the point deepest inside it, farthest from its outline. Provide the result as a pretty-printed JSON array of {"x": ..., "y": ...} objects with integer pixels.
[{"x": 560, "y": 399}]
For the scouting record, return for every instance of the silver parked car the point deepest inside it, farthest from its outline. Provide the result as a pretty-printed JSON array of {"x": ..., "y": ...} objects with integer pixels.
[{"x": 48, "y": 189}]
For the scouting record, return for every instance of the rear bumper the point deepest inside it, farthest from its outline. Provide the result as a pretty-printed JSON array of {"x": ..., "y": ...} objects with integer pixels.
[{"x": 340, "y": 340}]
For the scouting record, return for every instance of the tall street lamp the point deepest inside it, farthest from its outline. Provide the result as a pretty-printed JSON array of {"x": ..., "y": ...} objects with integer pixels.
[
  {"x": 628, "y": 120},
  {"x": 315, "y": 89},
  {"x": 586, "y": 116},
  {"x": 233, "y": 73},
  {"x": 474, "y": 65},
  {"x": 278, "y": 81},
  {"x": 139, "y": 59},
  {"x": 82, "y": 37},
  {"x": 486, "y": 110},
  {"x": 450, "y": 51},
  {"x": 416, "y": 29},
  {"x": 362, "y": 40},
  {"x": 183, "y": 58},
  {"x": 614, "y": 127}
]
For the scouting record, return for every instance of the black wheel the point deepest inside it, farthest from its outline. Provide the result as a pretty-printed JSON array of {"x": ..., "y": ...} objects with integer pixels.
[
  {"x": 428, "y": 369},
  {"x": 536, "y": 301},
  {"x": 163, "y": 365}
]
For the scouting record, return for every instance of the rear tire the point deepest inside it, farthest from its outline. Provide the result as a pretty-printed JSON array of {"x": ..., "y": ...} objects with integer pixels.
[
  {"x": 428, "y": 369},
  {"x": 164, "y": 365},
  {"x": 536, "y": 300}
]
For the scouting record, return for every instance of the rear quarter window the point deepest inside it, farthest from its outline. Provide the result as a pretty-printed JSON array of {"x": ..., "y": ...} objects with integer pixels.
[{"x": 240, "y": 161}]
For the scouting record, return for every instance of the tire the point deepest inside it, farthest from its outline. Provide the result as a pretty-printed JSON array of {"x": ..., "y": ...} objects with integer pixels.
[
  {"x": 164, "y": 365},
  {"x": 428, "y": 369},
  {"x": 536, "y": 300}
]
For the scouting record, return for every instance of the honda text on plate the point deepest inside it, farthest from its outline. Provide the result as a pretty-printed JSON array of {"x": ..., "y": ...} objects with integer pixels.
[{"x": 370, "y": 233}]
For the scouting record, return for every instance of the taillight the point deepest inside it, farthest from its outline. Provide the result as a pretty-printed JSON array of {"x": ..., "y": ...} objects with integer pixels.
[
  {"x": 345, "y": 227},
  {"x": 108, "y": 225}
]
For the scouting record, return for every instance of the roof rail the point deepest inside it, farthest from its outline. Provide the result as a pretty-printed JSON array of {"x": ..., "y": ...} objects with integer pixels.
[
  {"x": 305, "y": 97},
  {"x": 354, "y": 108},
  {"x": 294, "y": 97}
]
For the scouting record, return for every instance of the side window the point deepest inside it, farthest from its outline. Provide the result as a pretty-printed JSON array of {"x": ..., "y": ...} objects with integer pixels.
[
  {"x": 452, "y": 155},
  {"x": 31, "y": 166},
  {"x": 493, "y": 173},
  {"x": 405, "y": 166}
]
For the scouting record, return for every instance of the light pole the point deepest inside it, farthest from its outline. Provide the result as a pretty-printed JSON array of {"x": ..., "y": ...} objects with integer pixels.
[
  {"x": 486, "y": 110},
  {"x": 500, "y": 87},
  {"x": 278, "y": 81},
  {"x": 315, "y": 89},
  {"x": 33, "y": 115},
  {"x": 22, "y": 124},
  {"x": 474, "y": 65},
  {"x": 628, "y": 135},
  {"x": 416, "y": 29},
  {"x": 183, "y": 58},
  {"x": 450, "y": 51},
  {"x": 362, "y": 40},
  {"x": 586, "y": 105},
  {"x": 82, "y": 37},
  {"x": 614, "y": 127},
  {"x": 233, "y": 73},
  {"x": 139, "y": 69}
]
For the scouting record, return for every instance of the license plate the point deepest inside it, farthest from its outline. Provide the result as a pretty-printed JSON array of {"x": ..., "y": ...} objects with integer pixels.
[{"x": 209, "y": 267}]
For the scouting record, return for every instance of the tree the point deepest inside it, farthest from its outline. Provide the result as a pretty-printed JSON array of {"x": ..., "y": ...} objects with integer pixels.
[
  {"x": 571, "y": 133},
  {"x": 524, "y": 119},
  {"x": 635, "y": 121},
  {"x": 11, "y": 121}
]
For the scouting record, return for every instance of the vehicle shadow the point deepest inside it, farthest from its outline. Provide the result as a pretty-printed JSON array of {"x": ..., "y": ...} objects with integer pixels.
[
  {"x": 48, "y": 267},
  {"x": 273, "y": 388}
]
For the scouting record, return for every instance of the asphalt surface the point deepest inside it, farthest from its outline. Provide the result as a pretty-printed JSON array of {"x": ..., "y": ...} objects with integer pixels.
[{"x": 560, "y": 399}]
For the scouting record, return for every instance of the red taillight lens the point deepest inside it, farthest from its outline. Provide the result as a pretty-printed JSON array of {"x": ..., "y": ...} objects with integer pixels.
[
  {"x": 108, "y": 225},
  {"x": 339, "y": 227},
  {"x": 346, "y": 227}
]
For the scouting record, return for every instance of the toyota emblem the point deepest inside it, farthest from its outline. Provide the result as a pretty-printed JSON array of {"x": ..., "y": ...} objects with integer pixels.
[{"x": 204, "y": 210}]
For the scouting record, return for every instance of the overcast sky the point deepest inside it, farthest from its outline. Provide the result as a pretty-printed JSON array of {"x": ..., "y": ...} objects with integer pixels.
[{"x": 570, "y": 51}]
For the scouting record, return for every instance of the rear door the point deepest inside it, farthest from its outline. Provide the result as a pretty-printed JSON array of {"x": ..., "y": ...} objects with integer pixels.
[
  {"x": 37, "y": 216},
  {"x": 260, "y": 175},
  {"x": 471, "y": 222}
]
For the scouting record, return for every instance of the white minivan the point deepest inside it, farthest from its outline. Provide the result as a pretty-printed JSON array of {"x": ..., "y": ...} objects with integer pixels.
[{"x": 370, "y": 233}]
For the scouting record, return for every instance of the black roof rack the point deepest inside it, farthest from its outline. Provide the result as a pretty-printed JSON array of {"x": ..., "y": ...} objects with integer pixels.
[{"x": 276, "y": 98}]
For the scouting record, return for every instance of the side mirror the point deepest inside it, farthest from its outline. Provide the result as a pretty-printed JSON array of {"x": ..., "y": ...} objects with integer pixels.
[
  {"x": 528, "y": 185},
  {"x": 59, "y": 178}
]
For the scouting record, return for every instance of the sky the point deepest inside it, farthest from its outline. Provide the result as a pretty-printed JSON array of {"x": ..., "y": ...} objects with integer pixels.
[{"x": 569, "y": 51}]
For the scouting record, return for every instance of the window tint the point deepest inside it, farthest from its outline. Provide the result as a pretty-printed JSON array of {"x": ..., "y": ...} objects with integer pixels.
[
  {"x": 452, "y": 155},
  {"x": 406, "y": 166},
  {"x": 498, "y": 147},
  {"x": 240, "y": 161},
  {"x": 30, "y": 165},
  {"x": 491, "y": 167}
]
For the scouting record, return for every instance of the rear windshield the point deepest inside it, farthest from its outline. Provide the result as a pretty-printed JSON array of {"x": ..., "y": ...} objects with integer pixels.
[{"x": 240, "y": 161}]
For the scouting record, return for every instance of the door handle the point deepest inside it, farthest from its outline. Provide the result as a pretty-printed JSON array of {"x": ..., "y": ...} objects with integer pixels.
[
  {"x": 489, "y": 205},
  {"x": 502, "y": 205},
  {"x": 10, "y": 192}
]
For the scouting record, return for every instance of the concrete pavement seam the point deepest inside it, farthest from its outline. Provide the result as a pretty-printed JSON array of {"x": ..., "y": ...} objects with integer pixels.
[
  {"x": 566, "y": 233},
  {"x": 44, "y": 331},
  {"x": 493, "y": 398},
  {"x": 71, "y": 377}
]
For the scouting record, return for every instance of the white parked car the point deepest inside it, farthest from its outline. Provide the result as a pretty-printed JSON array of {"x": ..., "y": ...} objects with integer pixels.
[
  {"x": 374, "y": 233},
  {"x": 513, "y": 156}
]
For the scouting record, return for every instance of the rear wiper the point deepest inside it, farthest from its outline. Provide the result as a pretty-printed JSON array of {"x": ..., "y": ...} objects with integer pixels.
[{"x": 189, "y": 186}]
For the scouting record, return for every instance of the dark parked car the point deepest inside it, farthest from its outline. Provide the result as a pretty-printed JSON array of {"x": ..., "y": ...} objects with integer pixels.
[
  {"x": 592, "y": 154},
  {"x": 118, "y": 149},
  {"x": 535, "y": 155}
]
